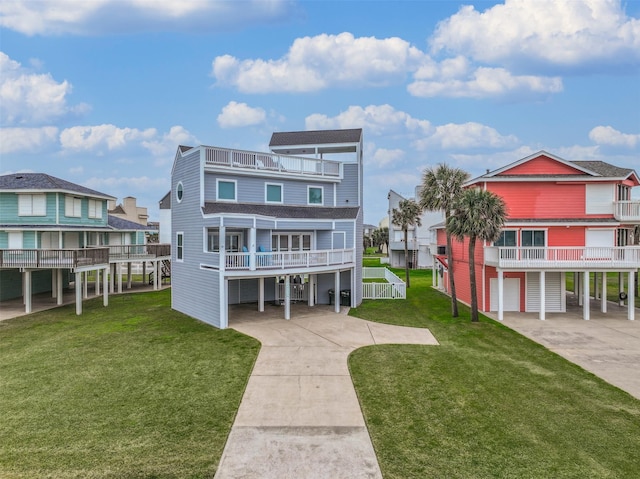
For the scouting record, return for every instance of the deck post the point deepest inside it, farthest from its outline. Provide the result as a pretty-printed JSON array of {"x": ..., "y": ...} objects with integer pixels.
[
  {"x": 500, "y": 295},
  {"x": 631, "y": 299},
  {"x": 620, "y": 288},
  {"x": 59, "y": 294},
  {"x": 105, "y": 287},
  {"x": 578, "y": 284},
  {"x": 261, "y": 294},
  {"x": 85, "y": 285},
  {"x": 603, "y": 293},
  {"x": 336, "y": 292},
  {"x": 78, "y": 287},
  {"x": 596, "y": 286},
  {"x": 311, "y": 286},
  {"x": 129, "y": 275},
  {"x": 157, "y": 276},
  {"x": 27, "y": 288},
  {"x": 543, "y": 298},
  {"x": 287, "y": 296},
  {"x": 54, "y": 284},
  {"x": 119, "y": 266},
  {"x": 97, "y": 282},
  {"x": 585, "y": 294},
  {"x": 252, "y": 249}
]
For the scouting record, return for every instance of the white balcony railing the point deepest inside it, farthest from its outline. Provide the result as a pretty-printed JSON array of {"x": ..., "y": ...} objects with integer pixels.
[
  {"x": 271, "y": 162},
  {"x": 563, "y": 257},
  {"x": 627, "y": 211},
  {"x": 288, "y": 259}
]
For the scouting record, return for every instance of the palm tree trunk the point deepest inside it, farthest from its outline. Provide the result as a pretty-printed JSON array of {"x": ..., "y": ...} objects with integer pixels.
[
  {"x": 472, "y": 279},
  {"x": 406, "y": 259},
  {"x": 452, "y": 283}
]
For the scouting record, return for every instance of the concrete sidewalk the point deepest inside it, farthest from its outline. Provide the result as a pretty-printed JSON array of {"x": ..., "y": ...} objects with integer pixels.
[{"x": 300, "y": 416}]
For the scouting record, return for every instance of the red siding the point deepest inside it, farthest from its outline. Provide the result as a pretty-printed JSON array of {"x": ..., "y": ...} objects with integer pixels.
[
  {"x": 491, "y": 273},
  {"x": 542, "y": 165},
  {"x": 565, "y": 236},
  {"x": 542, "y": 200}
]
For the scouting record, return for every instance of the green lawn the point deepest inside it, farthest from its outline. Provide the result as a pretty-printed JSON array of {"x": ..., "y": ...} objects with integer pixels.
[
  {"x": 487, "y": 402},
  {"x": 134, "y": 390},
  {"x": 612, "y": 285}
]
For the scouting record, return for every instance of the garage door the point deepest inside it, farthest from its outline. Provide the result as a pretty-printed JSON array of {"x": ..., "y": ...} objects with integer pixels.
[{"x": 511, "y": 296}]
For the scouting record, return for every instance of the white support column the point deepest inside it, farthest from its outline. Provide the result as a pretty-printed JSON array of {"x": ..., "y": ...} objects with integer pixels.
[
  {"x": 620, "y": 288},
  {"x": 433, "y": 272},
  {"x": 119, "y": 265},
  {"x": 27, "y": 288},
  {"x": 54, "y": 284},
  {"x": 543, "y": 296},
  {"x": 59, "y": 294},
  {"x": 500, "y": 295},
  {"x": 144, "y": 271},
  {"x": 576, "y": 284},
  {"x": 585, "y": 294},
  {"x": 78, "y": 286},
  {"x": 603, "y": 293},
  {"x": 112, "y": 278},
  {"x": 158, "y": 276},
  {"x": 85, "y": 284},
  {"x": 310, "y": 293},
  {"x": 224, "y": 302},
  {"x": 287, "y": 297},
  {"x": 261, "y": 294},
  {"x": 252, "y": 249},
  {"x": 129, "y": 275},
  {"x": 596, "y": 286},
  {"x": 105, "y": 287},
  {"x": 97, "y": 282},
  {"x": 336, "y": 292},
  {"x": 631, "y": 299},
  {"x": 580, "y": 288}
]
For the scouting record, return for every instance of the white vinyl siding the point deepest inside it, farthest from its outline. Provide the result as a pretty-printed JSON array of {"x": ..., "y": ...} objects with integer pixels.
[
  {"x": 599, "y": 199},
  {"x": 554, "y": 298},
  {"x": 95, "y": 209},
  {"x": 510, "y": 294},
  {"x": 599, "y": 237},
  {"x": 32, "y": 205},
  {"x": 73, "y": 207}
]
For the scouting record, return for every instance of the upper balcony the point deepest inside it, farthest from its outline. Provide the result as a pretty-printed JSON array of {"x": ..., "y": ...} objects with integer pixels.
[
  {"x": 282, "y": 260},
  {"x": 627, "y": 211},
  {"x": 272, "y": 163},
  {"x": 563, "y": 258},
  {"x": 138, "y": 252},
  {"x": 53, "y": 258}
]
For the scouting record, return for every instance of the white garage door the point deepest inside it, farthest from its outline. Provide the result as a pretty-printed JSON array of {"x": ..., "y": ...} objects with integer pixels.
[{"x": 511, "y": 294}]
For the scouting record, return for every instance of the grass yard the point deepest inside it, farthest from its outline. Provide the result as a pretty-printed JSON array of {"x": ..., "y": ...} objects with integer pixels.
[
  {"x": 487, "y": 402},
  {"x": 612, "y": 285},
  {"x": 134, "y": 390}
]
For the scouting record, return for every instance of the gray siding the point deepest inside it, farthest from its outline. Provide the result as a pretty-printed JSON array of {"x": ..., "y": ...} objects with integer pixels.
[{"x": 347, "y": 190}]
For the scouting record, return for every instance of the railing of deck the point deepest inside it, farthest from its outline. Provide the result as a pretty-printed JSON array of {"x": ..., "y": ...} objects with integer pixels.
[
  {"x": 627, "y": 210},
  {"x": 288, "y": 259},
  {"x": 53, "y": 258},
  {"x": 271, "y": 162},
  {"x": 394, "y": 288},
  {"x": 139, "y": 251},
  {"x": 563, "y": 257}
]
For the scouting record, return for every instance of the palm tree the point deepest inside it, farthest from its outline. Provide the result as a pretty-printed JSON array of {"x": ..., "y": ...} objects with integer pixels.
[
  {"x": 407, "y": 215},
  {"x": 441, "y": 189},
  {"x": 480, "y": 214}
]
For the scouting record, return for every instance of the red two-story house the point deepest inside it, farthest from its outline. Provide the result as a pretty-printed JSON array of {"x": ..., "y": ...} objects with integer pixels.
[{"x": 562, "y": 217}]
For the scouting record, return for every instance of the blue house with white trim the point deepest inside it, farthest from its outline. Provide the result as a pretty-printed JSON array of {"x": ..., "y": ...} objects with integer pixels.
[{"x": 282, "y": 226}]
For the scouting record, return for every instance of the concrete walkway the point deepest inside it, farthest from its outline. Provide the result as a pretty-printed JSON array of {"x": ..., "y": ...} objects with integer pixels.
[{"x": 300, "y": 416}]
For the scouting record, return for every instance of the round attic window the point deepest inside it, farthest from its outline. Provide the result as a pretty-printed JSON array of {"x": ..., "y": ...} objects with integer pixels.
[{"x": 179, "y": 192}]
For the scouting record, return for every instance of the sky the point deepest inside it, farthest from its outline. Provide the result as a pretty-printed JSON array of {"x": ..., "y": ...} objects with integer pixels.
[{"x": 102, "y": 92}]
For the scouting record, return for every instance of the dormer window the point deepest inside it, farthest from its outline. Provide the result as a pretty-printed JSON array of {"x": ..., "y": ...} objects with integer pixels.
[{"x": 32, "y": 205}]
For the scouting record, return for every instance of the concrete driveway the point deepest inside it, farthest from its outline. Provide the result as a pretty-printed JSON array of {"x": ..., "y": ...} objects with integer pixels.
[
  {"x": 300, "y": 416},
  {"x": 607, "y": 345}
]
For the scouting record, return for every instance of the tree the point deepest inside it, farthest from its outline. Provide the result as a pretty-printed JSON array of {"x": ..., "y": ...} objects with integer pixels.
[
  {"x": 407, "y": 215},
  {"x": 480, "y": 214},
  {"x": 381, "y": 237},
  {"x": 441, "y": 189}
]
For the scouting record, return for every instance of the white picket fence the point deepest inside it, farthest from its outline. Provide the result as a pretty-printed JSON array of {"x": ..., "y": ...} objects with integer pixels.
[{"x": 394, "y": 288}]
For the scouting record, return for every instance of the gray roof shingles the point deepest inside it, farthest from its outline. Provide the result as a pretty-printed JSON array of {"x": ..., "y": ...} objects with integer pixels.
[
  {"x": 604, "y": 169},
  {"x": 315, "y": 137},
  {"x": 122, "y": 224},
  {"x": 282, "y": 211},
  {"x": 44, "y": 182}
]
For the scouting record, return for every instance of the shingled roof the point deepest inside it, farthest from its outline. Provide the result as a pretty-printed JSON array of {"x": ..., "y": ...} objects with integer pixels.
[
  {"x": 122, "y": 224},
  {"x": 604, "y": 169},
  {"x": 315, "y": 137},
  {"x": 44, "y": 182},
  {"x": 283, "y": 211}
]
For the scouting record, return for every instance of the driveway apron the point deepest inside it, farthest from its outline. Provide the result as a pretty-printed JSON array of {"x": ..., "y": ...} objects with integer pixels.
[{"x": 299, "y": 416}]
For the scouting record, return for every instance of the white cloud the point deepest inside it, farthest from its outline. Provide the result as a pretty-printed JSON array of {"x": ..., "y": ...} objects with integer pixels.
[
  {"x": 85, "y": 138},
  {"x": 483, "y": 82},
  {"x": 29, "y": 98},
  {"x": 26, "y": 139},
  {"x": 384, "y": 157},
  {"x": 91, "y": 17},
  {"x": 165, "y": 147},
  {"x": 606, "y": 135},
  {"x": 465, "y": 136},
  {"x": 120, "y": 183},
  {"x": 315, "y": 63},
  {"x": 376, "y": 119},
  {"x": 236, "y": 114},
  {"x": 551, "y": 32}
]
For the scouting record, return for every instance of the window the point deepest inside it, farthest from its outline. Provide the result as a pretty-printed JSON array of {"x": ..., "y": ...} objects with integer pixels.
[
  {"x": 179, "y": 191},
  {"x": 226, "y": 190},
  {"x": 179, "y": 246},
  {"x": 32, "y": 205},
  {"x": 530, "y": 239},
  {"x": 507, "y": 238},
  {"x": 233, "y": 241},
  {"x": 314, "y": 195},
  {"x": 291, "y": 242},
  {"x": 624, "y": 193},
  {"x": 95, "y": 209},
  {"x": 273, "y": 193},
  {"x": 73, "y": 207}
]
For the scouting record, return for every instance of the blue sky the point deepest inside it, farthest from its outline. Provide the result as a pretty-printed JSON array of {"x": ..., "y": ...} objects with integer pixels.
[{"x": 101, "y": 92}]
